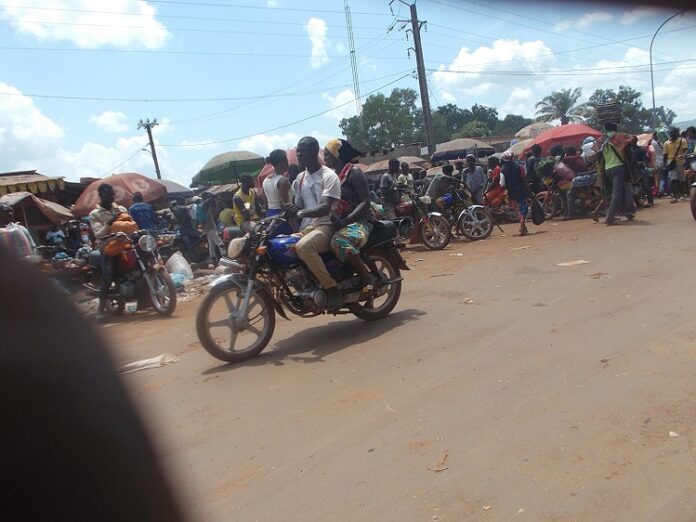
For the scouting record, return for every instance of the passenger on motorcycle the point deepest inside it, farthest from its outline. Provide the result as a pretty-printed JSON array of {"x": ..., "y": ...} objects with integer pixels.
[
  {"x": 387, "y": 186},
  {"x": 276, "y": 187},
  {"x": 353, "y": 218},
  {"x": 245, "y": 203},
  {"x": 405, "y": 180},
  {"x": 441, "y": 185},
  {"x": 317, "y": 191},
  {"x": 101, "y": 219}
]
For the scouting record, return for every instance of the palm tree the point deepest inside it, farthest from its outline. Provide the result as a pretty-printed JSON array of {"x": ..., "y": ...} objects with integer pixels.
[{"x": 561, "y": 105}]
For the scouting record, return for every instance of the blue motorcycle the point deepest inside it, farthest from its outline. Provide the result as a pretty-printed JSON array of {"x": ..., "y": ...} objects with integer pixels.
[{"x": 236, "y": 319}]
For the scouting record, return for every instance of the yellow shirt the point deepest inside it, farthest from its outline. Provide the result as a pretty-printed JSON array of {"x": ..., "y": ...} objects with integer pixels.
[
  {"x": 249, "y": 198},
  {"x": 227, "y": 217},
  {"x": 675, "y": 149}
]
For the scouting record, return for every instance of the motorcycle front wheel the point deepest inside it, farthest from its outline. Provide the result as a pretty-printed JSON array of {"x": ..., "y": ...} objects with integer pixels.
[
  {"x": 162, "y": 293},
  {"x": 693, "y": 202},
  {"x": 475, "y": 223},
  {"x": 387, "y": 293},
  {"x": 435, "y": 232},
  {"x": 224, "y": 333}
]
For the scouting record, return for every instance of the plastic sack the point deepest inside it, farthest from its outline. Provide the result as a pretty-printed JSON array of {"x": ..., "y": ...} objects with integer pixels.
[{"x": 177, "y": 264}]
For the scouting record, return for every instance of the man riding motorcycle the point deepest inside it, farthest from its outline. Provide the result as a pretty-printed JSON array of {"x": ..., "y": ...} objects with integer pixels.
[{"x": 317, "y": 191}]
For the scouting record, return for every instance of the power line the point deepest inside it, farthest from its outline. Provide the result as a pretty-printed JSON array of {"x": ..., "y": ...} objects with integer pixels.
[
  {"x": 187, "y": 100},
  {"x": 287, "y": 124}
]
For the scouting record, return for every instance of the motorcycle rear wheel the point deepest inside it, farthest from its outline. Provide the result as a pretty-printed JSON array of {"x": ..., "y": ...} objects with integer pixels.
[
  {"x": 218, "y": 327},
  {"x": 436, "y": 233},
  {"x": 693, "y": 202},
  {"x": 389, "y": 271}
]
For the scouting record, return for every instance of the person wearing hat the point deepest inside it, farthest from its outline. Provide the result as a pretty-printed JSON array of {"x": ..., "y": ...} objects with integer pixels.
[
  {"x": 193, "y": 210},
  {"x": 317, "y": 191},
  {"x": 517, "y": 188},
  {"x": 474, "y": 178},
  {"x": 353, "y": 218}
]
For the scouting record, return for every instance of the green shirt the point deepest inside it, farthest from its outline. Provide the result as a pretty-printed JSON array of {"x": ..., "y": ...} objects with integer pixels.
[{"x": 611, "y": 158}]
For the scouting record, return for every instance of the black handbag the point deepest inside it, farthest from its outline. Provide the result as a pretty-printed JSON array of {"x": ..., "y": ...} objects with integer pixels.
[{"x": 538, "y": 216}]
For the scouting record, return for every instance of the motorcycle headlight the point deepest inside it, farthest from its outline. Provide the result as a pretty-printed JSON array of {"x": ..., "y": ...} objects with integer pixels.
[
  {"x": 236, "y": 247},
  {"x": 147, "y": 243}
]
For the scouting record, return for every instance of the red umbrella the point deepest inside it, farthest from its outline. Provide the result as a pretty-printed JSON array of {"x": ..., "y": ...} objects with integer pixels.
[
  {"x": 125, "y": 185},
  {"x": 565, "y": 135}
]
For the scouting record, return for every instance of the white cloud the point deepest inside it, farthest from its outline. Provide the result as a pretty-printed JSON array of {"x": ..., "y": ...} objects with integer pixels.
[
  {"x": 272, "y": 3},
  {"x": 264, "y": 143},
  {"x": 342, "y": 105},
  {"x": 595, "y": 17},
  {"x": 448, "y": 97},
  {"x": 24, "y": 130},
  {"x": 91, "y": 27},
  {"x": 316, "y": 29},
  {"x": 521, "y": 101},
  {"x": 638, "y": 13},
  {"x": 670, "y": 92},
  {"x": 111, "y": 121}
]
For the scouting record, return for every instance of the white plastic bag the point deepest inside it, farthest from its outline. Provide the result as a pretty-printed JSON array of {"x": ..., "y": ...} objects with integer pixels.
[{"x": 177, "y": 264}]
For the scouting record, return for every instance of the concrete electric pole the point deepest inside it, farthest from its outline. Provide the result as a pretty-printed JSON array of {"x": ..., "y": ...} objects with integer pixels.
[
  {"x": 147, "y": 125},
  {"x": 416, "y": 26}
]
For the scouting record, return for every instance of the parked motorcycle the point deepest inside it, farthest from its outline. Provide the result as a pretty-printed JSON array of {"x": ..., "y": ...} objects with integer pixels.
[
  {"x": 474, "y": 222},
  {"x": 139, "y": 274},
  {"x": 554, "y": 200},
  {"x": 236, "y": 319},
  {"x": 691, "y": 174},
  {"x": 433, "y": 228},
  {"x": 496, "y": 202}
]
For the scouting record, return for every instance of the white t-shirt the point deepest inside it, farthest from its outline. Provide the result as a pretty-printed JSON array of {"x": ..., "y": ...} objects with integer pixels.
[
  {"x": 311, "y": 188},
  {"x": 270, "y": 189}
]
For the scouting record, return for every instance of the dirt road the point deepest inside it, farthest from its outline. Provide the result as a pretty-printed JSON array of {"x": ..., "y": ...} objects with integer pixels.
[{"x": 551, "y": 390}]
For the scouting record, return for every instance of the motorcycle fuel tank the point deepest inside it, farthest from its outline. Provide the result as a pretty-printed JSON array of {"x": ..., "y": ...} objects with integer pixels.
[{"x": 282, "y": 250}]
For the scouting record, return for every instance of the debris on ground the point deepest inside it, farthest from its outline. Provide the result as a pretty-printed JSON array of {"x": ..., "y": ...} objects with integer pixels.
[
  {"x": 577, "y": 262},
  {"x": 440, "y": 466},
  {"x": 440, "y": 275},
  {"x": 605, "y": 362},
  {"x": 486, "y": 508},
  {"x": 673, "y": 434},
  {"x": 525, "y": 247},
  {"x": 152, "y": 362},
  {"x": 457, "y": 255},
  {"x": 194, "y": 288},
  {"x": 598, "y": 275}
]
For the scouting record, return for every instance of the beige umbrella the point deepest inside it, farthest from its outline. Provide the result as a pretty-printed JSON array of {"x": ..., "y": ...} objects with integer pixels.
[
  {"x": 414, "y": 164},
  {"x": 533, "y": 130},
  {"x": 518, "y": 148}
]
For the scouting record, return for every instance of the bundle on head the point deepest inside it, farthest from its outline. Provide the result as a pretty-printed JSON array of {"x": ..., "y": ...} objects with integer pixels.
[{"x": 609, "y": 112}]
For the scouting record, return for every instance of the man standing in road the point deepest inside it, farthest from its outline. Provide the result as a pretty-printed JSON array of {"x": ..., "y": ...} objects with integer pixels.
[
  {"x": 474, "y": 178},
  {"x": 206, "y": 220},
  {"x": 405, "y": 179},
  {"x": 189, "y": 233},
  {"x": 387, "y": 185},
  {"x": 101, "y": 219},
  {"x": 674, "y": 153},
  {"x": 143, "y": 213},
  {"x": 531, "y": 166},
  {"x": 317, "y": 191}
]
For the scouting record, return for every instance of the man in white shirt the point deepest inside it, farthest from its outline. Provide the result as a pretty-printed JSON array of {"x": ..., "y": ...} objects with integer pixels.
[{"x": 317, "y": 190}]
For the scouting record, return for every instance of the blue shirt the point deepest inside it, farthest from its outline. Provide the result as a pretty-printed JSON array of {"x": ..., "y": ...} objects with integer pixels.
[{"x": 144, "y": 216}]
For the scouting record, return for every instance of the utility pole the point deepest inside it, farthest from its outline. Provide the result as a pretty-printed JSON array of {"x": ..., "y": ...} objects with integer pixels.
[
  {"x": 147, "y": 125},
  {"x": 416, "y": 26},
  {"x": 354, "y": 64},
  {"x": 652, "y": 79}
]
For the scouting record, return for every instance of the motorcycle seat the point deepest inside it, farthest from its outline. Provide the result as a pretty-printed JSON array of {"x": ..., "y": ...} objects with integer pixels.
[
  {"x": 381, "y": 232},
  {"x": 94, "y": 258}
]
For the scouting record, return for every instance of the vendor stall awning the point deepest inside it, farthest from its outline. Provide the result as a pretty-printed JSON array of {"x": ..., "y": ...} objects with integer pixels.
[
  {"x": 28, "y": 181},
  {"x": 50, "y": 211}
]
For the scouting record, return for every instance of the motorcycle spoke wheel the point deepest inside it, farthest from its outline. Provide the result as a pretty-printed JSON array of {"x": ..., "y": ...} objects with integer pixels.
[
  {"x": 385, "y": 295},
  {"x": 163, "y": 293},
  {"x": 225, "y": 333}
]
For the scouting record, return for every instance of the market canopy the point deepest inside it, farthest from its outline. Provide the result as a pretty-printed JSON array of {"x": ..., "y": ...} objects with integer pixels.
[
  {"x": 518, "y": 148},
  {"x": 174, "y": 190},
  {"x": 125, "y": 185},
  {"x": 36, "y": 212},
  {"x": 414, "y": 164},
  {"x": 570, "y": 135},
  {"x": 228, "y": 167},
  {"x": 532, "y": 130},
  {"x": 459, "y": 148},
  {"x": 29, "y": 181}
]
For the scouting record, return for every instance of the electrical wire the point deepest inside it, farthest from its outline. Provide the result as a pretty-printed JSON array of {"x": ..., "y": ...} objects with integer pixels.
[{"x": 287, "y": 124}]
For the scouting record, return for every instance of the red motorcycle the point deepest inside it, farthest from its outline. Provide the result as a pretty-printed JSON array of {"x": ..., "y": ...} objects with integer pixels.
[{"x": 412, "y": 213}]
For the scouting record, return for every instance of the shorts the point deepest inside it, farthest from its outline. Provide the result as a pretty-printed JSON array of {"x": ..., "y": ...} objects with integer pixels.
[{"x": 350, "y": 239}]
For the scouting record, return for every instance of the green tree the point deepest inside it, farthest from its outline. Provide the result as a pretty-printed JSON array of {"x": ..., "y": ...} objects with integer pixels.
[
  {"x": 561, "y": 105},
  {"x": 453, "y": 116},
  {"x": 487, "y": 115},
  {"x": 473, "y": 129},
  {"x": 663, "y": 116},
  {"x": 510, "y": 125}
]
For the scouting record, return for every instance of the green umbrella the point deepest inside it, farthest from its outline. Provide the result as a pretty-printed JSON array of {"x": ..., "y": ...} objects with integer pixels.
[{"x": 228, "y": 167}]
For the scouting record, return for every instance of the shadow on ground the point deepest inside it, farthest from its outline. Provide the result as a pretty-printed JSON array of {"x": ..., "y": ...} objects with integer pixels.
[{"x": 314, "y": 344}]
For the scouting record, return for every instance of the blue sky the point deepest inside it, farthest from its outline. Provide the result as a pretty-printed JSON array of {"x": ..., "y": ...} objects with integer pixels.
[{"x": 219, "y": 75}]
